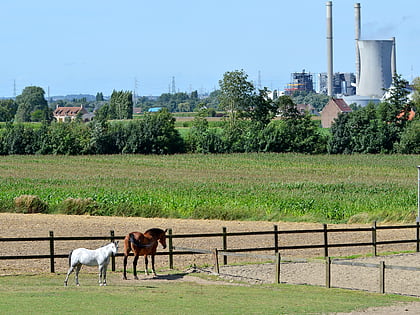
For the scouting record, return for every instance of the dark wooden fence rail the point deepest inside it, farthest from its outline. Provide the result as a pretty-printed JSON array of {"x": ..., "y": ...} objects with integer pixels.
[{"x": 275, "y": 233}]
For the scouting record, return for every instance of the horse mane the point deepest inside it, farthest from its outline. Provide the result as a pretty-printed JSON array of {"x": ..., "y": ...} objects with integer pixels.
[{"x": 154, "y": 231}]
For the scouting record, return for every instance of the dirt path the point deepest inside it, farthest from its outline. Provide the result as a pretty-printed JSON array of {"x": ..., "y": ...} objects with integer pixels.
[{"x": 38, "y": 225}]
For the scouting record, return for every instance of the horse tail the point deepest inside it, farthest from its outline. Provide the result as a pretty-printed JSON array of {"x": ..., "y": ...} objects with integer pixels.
[{"x": 71, "y": 252}]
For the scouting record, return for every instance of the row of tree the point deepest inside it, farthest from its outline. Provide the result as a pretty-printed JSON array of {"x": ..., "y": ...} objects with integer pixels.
[{"x": 248, "y": 127}]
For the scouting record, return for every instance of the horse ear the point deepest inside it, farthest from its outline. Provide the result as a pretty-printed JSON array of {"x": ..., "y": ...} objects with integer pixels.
[{"x": 166, "y": 230}]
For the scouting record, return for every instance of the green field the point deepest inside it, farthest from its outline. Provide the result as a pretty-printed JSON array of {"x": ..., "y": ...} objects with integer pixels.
[
  {"x": 45, "y": 294},
  {"x": 319, "y": 188}
]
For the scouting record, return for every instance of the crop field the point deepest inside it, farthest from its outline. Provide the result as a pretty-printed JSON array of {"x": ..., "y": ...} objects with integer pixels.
[{"x": 272, "y": 187}]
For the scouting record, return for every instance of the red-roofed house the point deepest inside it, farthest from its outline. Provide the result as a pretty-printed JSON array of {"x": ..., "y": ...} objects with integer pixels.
[
  {"x": 334, "y": 107},
  {"x": 65, "y": 113}
]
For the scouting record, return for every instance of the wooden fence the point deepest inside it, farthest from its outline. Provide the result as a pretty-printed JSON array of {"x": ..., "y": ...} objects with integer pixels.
[{"x": 225, "y": 235}]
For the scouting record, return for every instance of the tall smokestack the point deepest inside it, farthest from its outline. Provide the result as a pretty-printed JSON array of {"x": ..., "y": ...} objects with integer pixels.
[
  {"x": 357, "y": 37},
  {"x": 329, "y": 49},
  {"x": 393, "y": 59}
]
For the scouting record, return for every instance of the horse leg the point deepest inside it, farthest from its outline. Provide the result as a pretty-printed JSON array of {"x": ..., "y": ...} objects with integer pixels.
[
  {"x": 68, "y": 274},
  {"x": 153, "y": 265},
  {"x": 125, "y": 265},
  {"x": 104, "y": 275},
  {"x": 146, "y": 263},
  {"x": 78, "y": 266},
  {"x": 136, "y": 258}
]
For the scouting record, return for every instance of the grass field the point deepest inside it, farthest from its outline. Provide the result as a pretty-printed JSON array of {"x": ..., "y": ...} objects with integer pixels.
[
  {"x": 321, "y": 188},
  {"x": 45, "y": 294}
]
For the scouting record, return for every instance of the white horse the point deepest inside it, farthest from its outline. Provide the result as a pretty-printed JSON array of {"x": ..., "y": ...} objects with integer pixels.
[{"x": 98, "y": 257}]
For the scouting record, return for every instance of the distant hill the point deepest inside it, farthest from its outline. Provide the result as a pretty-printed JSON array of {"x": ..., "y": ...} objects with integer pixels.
[{"x": 71, "y": 97}]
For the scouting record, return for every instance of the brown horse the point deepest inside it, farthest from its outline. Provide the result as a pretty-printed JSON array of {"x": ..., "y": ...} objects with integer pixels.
[{"x": 143, "y": 244}]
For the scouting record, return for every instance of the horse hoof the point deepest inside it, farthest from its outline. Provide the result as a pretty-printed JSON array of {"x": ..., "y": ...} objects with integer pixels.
[{"x": 136, "y": 278}]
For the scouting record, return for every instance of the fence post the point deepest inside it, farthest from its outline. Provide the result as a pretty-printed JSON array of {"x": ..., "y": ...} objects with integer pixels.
[
  {"x": 276, "y": 239},
  {"x": 325, "y": 241},
  {"x": 278, "y": 260},
  {"x": 374, "y": 239},
  {"x": 216, "y": 260},
  {"x": 382, "y": 277},
  {"x": 113, "y": 257},
  {"x": 328, "y": 272},
  {"x": 52, "y": 267},
  {"x": 418, "y": 236},
  {"x": 171, "y": 250},
  {"x": 224, "y": 245}
]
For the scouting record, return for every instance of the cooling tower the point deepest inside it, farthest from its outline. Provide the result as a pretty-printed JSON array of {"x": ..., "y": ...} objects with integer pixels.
[{"x": 377, "y": 66}]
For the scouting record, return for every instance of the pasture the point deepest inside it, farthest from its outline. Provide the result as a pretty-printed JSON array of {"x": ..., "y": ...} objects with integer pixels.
[
  {"x": 45, "y": 294},
  {"x": 269, "y": 187}
]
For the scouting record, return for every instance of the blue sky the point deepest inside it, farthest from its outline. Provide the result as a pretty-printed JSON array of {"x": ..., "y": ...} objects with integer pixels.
[{"x": 90, "y": 46}]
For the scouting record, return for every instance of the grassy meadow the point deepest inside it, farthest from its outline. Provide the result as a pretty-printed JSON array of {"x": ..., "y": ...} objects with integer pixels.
[
  {"x": 45, "y": 294},
  {"x": 317, "y": 188}
]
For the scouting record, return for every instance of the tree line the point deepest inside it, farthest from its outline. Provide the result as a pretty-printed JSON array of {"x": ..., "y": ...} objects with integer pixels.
[{"x": 248, "y": 126}]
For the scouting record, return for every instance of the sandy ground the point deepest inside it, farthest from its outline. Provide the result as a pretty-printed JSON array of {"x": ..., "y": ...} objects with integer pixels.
[{"x": 401, "y": 282}]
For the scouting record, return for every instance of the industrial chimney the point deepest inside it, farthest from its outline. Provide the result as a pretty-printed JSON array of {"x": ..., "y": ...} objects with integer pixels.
[
  {"x": 357, "y": 38},
  {"x": 329, "y": 49}
]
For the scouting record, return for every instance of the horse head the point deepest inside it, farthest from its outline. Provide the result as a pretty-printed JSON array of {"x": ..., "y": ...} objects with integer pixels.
[
  {"x": 114, "y": 248},
  {"x": 162, "y": 238}
]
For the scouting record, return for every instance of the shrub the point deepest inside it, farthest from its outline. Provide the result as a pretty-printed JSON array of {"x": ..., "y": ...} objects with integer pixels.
[
  {"x": 78, "y": 206},
  {"x": 30, "y": 204}
]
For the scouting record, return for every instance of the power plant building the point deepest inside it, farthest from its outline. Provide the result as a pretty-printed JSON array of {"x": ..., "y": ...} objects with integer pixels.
[
  {"x": 375, "y": 66},
  {"x": 300, "y": 82}
]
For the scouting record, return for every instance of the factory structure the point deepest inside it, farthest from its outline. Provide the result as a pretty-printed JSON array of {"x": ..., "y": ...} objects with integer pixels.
[{"x": 375, "y": 67}]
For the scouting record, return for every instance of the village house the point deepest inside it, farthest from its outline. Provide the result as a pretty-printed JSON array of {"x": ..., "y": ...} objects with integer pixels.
[
  {"x": 334, "y": 107},
  {"x": 62, "y": 114}
]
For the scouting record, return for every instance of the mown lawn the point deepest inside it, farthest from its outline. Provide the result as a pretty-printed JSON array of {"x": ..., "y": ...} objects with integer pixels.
[{"x": 45, "y": 294}]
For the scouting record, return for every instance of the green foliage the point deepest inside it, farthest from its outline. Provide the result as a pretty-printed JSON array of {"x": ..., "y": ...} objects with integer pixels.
[
  {"x": 410, "y": 138},
  {"x": 236, "y": 95},
  {"x": 318, "y": 101},
  {"x": 202, "y": 139},
  {"x": 78, "y": 206},
  {"x": 155, "y": 134},
  {"x": 121, "y": 105},
  {"x": 377, "y": 128},
  {"x": 17, "y": 139},
  {"x": 32, "y": 100},
  {"x": 8, "y": 109},
  {"x": 30, "y": 204}
]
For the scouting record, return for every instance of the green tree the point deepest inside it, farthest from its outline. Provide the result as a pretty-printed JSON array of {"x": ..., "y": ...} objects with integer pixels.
[
  {"x": 236, "y": 95},
  {"x": 262, "y": 109},
  {"x": 318, "y": 101},
  {"x": 99, "y": 97},
  {"x": 416, "y": 94},
  {"x": 410, "y": 138},
  {"x": 8, "y": 109},
  {"x": 32, "y": 99},
  {"x": 397, "y": 106},
  {"x": 121, "y": 105}
]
